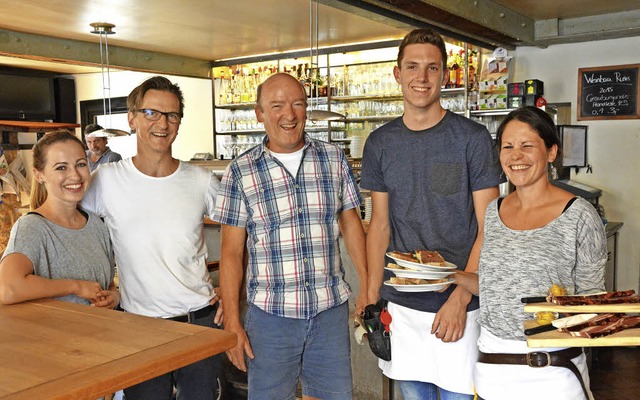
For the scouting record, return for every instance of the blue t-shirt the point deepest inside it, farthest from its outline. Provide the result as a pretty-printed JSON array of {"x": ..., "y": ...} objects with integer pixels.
[{"x": 430, "y": 176}]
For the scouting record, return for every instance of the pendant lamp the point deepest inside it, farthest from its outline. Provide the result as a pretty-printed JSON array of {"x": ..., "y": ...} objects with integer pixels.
[
  {"x": 104, "y": 29},
  {"x": 317, "y": 115}
]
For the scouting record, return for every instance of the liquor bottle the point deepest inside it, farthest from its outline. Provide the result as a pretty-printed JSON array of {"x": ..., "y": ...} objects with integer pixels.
[
  {"x": 306, "y": 80},
  {"x": 322, "y": 84},
  {"x": 237, "y": 88},
  {"x": 453, "y": 75},
  {"x": 253, "y": 85},
  {"x": 222, "y": 90},
  {"x": 460, "y": 73},
  {"x": 244, "y": 79},
  {"x": 229, "y": 92}
]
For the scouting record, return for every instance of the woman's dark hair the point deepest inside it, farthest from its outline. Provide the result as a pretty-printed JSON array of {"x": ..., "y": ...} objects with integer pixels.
[
  {"x": 538, "y": 120},
  {"x": 40, "y": 149}
]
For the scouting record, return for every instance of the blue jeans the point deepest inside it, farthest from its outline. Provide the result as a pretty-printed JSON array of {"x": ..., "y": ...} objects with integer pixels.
[
  {"x": 414, "y": 390},
  {"x": 197, "y": 381},
  {"x": 317, "y": 350}
]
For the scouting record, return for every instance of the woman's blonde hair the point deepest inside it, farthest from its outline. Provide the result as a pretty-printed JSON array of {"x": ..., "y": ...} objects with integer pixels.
[{"x": 38, "y": 190}]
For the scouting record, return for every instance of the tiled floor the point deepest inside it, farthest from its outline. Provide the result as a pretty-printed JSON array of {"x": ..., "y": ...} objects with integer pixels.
[{"x": 615, "y": 373}]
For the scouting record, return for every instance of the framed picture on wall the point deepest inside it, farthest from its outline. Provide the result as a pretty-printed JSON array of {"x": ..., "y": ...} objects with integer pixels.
[{"x": 573, "y": 139}]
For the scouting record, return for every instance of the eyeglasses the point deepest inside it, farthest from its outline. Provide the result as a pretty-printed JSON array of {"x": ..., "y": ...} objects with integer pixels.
[{"x": 154, "y": 115}]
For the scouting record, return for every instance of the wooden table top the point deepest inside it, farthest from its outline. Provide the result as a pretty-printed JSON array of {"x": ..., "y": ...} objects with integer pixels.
[{"x": 58, "y": 350}]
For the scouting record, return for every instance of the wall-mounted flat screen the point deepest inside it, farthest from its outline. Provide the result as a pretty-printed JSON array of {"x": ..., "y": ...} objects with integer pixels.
[{"x": 26, "y": 97}]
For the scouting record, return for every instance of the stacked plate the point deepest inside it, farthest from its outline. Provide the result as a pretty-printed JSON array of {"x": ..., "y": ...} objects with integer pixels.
[
  {"x": 368, "y": 209},
  {"x": 420, "y": 271},
  {"x": 357, "y": 146}
]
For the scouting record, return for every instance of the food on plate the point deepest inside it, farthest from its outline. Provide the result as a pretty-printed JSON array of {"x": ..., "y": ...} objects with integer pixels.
[
  {"x": 395, "y": 266},
  {"x": 617, "y": 297},
  {"x": 427, "y": 257},
  {"x": 430, "y": 257},
  {"x": 415, "y": 281},
  {"x": 403, "y": 256}
]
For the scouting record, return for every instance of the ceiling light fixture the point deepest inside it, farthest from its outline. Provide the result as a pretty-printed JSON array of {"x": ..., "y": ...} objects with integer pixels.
[
  {"x": 317, "y": 115},
  {"x": 104, "y": 29}
]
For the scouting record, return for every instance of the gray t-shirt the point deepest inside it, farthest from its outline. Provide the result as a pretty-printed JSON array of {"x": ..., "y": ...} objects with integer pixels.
[
  {"x": 430, "y": 176},
  {"x": 570, "y": 251},
  {"x": 62, "y": 253}
]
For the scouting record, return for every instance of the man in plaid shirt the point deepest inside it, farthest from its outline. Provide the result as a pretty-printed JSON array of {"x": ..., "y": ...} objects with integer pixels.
[{"x": 285, "y": 202}]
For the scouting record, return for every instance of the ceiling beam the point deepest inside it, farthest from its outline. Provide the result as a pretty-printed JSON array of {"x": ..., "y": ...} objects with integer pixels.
[
  {"x": 46, "y": 48},
  {"x": 597, "y": 27},
  {"x": 481, "y": 22}
]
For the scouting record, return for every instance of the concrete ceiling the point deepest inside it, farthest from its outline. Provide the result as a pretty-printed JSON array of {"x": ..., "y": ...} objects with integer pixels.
[{"x": 183, "y": 38}]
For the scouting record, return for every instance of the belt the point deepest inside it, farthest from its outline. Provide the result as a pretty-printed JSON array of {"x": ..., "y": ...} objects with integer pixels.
[
  {"x": 539, "y": 359},
  {"x": 193, "y": 315}
]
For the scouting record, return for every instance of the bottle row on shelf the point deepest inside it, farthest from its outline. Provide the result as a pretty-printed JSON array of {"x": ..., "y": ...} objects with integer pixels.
[
  {"x": 239, "y": 85},
  {"x": 457, "y": 59}
]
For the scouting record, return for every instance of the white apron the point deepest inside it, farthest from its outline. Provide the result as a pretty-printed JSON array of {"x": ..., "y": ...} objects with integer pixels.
[
  {"x": 417, "y": 355},
  {"x": 508, "y": 382}
]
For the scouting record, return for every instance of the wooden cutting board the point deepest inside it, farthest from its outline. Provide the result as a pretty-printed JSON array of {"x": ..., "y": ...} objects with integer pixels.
[
  {"x": 604, "y": 308},
  {"x": 628, "y": 337}
]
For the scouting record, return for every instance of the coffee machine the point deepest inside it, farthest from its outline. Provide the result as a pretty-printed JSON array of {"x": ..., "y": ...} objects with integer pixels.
[{"x": 573, "y": 154}]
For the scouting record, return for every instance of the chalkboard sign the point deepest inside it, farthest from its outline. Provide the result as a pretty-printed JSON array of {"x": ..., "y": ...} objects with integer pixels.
[{"x": 609, "y": 92}]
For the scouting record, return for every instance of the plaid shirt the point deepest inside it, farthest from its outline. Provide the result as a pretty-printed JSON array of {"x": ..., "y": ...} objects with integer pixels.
[{"x": 294, "y": 266}]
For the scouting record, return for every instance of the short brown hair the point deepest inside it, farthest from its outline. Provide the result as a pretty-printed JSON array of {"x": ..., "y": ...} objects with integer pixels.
[
  {"x": 40, "y": 149},
  {"x": 423, "y": 36},
  {"x": 134, "y": 100}
]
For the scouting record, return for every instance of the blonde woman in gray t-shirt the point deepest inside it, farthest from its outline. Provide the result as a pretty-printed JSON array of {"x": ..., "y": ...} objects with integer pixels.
[{"x": 59, "y": 250}]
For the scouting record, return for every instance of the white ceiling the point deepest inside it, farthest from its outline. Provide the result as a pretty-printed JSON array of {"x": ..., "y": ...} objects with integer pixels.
[
  {"x": 200, "y": 29},
  {"x": 218, "y": 29}
]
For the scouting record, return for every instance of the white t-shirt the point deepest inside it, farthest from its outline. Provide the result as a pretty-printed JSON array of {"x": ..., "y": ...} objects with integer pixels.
[
  {"x": 291, "y": 161},
  {"x": 156, "y": 225}
]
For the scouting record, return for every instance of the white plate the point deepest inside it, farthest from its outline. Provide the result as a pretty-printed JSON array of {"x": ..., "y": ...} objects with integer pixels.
[
  {"x": 422, "y": 267},
  {"x": 410, "y": 273},
  {"x": 419, "y": 288}
]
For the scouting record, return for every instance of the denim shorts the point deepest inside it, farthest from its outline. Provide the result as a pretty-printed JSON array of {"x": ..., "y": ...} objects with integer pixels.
[
  {"x": 286, "y": 349},
  {"x": 413, "y": 390}
]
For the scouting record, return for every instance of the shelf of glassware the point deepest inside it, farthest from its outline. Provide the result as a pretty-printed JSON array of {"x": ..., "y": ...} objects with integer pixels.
[
  {"x": 367, "y": 108},
  {"x": 232, "y": 143},
  {"x": 240, "y": 118},
  {"x": 491, "y": 119}
]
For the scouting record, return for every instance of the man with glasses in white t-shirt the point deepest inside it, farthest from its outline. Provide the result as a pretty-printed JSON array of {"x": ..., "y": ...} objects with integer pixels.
[{"x": 154, "y": 206}]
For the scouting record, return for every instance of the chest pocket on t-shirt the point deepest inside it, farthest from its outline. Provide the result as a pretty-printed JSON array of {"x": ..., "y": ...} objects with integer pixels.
[{"x": 446, "y": 178}]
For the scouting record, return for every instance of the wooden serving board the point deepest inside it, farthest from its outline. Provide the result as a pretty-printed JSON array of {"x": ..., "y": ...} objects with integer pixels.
[
  {"x": 600, "y": 308},
  {"x": 628, "y": 337}
]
